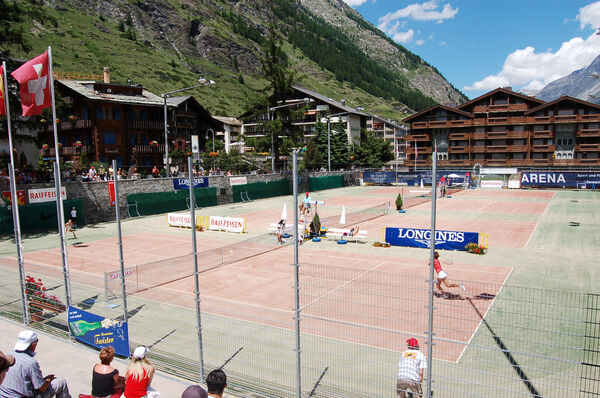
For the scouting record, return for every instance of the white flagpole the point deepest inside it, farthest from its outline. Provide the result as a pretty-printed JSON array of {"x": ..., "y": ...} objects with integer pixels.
[
  {"x": 14, "y": 201},
  {"x": 59, "y": 201}
]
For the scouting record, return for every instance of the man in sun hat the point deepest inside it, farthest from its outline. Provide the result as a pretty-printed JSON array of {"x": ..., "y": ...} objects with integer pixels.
[
  {"x": 6, "y": 361},
  {"x": 24, "y": 378},
  {"x": 410, "y": 370}
]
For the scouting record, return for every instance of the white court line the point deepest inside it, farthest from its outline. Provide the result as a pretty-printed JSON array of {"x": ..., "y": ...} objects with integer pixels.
[
  {"x": 481, "y": 321},
  {"x": 537, "y": 222},
  {"x": 342, "y": 285}
]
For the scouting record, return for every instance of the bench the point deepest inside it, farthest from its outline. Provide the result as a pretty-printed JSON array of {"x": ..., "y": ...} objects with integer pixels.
[
  {"x": 339, "y": 233},
  {"x": 273, "y": 227}
]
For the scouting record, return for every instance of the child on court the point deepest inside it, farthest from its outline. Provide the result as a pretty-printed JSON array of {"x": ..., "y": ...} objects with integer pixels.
[
  {"x": 69, "y": 228},
  {"x": 442, "y": 275}
]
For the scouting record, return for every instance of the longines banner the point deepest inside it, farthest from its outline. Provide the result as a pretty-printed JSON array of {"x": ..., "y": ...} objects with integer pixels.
[
  {"x": 99, "y": 332},
  {"x": 415, "y": 237},
  {"x": 184, "y": 183}
]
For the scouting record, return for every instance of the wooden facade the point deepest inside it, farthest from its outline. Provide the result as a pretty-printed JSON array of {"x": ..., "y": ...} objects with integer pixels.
[{"x": 506, "y": 129}]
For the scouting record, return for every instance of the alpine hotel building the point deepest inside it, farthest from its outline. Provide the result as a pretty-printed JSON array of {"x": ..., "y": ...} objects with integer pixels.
[{"x": 506, "y": 129}]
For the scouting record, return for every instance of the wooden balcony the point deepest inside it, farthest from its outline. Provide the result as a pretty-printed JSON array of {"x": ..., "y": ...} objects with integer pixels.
[
  {"x": 500, "y": 108},
  {"x": 418, "y": 125},
  {"x": 517, "y": 148},
  {"x": 497, "y": 135},
  {"x": 455, "y": 162},
  {"x": 587, "y": 147},
  {"x": 460, "y": 122},
  {"x": 588, "y": 162},
  {"x": 159, "y": 148},
  {"x": 458, "y": 149},
  {"x": 145, "y": 125},
  {"x": 65, "y": 151},
  {"x": 479, "y": 136},
  {"x": 543, "y": 148},
  {"x": 565, "y": 118},
  {"x": 542, "y": 119},
  {"x": 588, "y": 133},
  {"x": 518, "y": 134},
  {"x": 541, "y": 134},
  {"x": 496, "y": 120},
  {"x": 478, "y": 149},
  {"x": 78, "y": 124},
  {"x": 459, "y": 136},
  {"x": 497, "y": 148}
]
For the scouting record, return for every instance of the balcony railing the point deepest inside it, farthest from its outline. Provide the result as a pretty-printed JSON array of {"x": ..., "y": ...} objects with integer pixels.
[
  {"x": 588, "y": 133},
  {"x": 500, "y": 108},
  {"x": 458, "y": 149},
  {"x": 145, "y": 125},
  {"x": 65, "y": 150},
  {"x": 587, "y": 147},
  {"x": 459, "y": 136},
  {"x": 478, "y": 149},
  {"x": 497, "y": 134},
  {"x": 497, "y": 148},
  {"x": 542, "y": 134},
  {"x": 159, "y": 148},
  {"x": 543, "y": 148},
  {"x": 479, "y": 136}
]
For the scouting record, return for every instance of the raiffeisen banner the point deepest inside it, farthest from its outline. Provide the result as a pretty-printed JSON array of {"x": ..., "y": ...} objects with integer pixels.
[{"x": 416, "y": 237}]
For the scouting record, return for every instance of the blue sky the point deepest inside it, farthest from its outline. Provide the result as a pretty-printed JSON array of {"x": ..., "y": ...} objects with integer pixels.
[{"x": 479, "y": 45}]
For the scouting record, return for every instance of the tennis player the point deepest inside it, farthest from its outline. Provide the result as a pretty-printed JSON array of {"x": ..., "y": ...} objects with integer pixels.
[{"x": 442, "y": 276}]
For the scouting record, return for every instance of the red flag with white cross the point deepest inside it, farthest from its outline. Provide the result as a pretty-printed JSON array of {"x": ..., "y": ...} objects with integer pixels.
[{"x": 33, "y": 76}]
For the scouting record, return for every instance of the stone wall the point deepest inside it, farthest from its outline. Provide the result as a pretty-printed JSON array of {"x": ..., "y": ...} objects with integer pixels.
[{"x": 97, "y": 208}]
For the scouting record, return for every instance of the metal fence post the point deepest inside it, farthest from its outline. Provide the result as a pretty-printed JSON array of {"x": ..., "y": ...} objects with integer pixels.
[
  {"x": 296, "y": 276},
  {"x": 431, "y": 272},
  {"x": 195, "y": 255},
  {"x": 120, "y": 239}
]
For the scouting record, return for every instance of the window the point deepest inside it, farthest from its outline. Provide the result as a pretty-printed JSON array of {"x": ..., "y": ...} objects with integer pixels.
[
  {"x": 99, "y": 114},
  {"x": 131, "y": 115},
  {"x": 86, "y": 113},
  {"x": 570, "y": 141},
  {"x": 117, "y": 113},
  {"x": 132, "y": 139},
  {"x": 110, "y": 138},
  {"x": 143, "y": 115},
  {"x": 559, "y": 142}
]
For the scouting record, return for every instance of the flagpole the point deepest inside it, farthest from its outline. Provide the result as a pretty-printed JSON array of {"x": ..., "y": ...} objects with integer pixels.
[
  {"x": 59, "y": 200},
  {"x": 14, "y": 201}
]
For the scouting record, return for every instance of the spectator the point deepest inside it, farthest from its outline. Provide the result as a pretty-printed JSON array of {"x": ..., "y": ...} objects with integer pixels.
[
  {"x": 216, "y": 381},
  {"x": 92, "y": 173},
  {"x": 25, "y": 379},
  {"x": 410, "y": 370},
  {"x": 106, "y": 381},
  {"x": 139, "y": 375},
  {"x": 6, "y": 361},
  {"x": 74, "y": 216},
  {"x": 194, "y": 392},
  {"x": 155, "y": 172}
]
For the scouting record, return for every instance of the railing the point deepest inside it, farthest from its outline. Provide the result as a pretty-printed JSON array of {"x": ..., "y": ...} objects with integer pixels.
[
  {"x": 500, "y": 108},
  {"x": 65, "y": 150},
  {"x": 158, "y": 148},
  {"x": 458, "y": 149},
  {"x": 542, "y": 134},
  {"x": 479, "y": 136},
  {"x": 588, "y": 133},
  {"x": 478, "y": 149},
  {"x": 459, "y": 136},
  {"x": 587, "y": 147},
  {"x": 145, "y": 125},
  {"x": 543, "y": 148}
]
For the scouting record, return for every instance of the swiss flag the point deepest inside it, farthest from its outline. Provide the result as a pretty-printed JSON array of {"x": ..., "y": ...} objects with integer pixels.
[
  {"x": 2, "y": 109},
  {"x": 34, "y": 79}
]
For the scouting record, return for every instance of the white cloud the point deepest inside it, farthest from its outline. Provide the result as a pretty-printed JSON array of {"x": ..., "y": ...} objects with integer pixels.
[
  {"x": 355, "y": 3},
  {"x": 403, "y": 37},
  {"x": 589, "y": 15},
  {"x": 420, "y": 42},
  {"x": 427, "y": 11},
  {"x": 530, "y": 69}
]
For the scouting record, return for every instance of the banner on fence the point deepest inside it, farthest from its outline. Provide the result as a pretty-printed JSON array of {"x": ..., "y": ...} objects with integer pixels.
[
  {"x": 491, "y": 184},
  {"x": 416, "y": 237},
  {"x": 414, "y": 178},
  {"x": 45, "y": 194},
  {"x": 238, "y": 181},
  {"x": 184, "y": 183},
  {"x": 179, "y": 219},
  {"x": 567, "y": 179},
  {"x": 21, "y": 197},
  {"x": 228, "y": 224},
  {"x": 112, "y": 196},
  {"x": 99, "y": 332}
]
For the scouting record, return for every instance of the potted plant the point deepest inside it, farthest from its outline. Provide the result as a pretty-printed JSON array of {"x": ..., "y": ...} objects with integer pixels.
[
  {"x": 38, "y": 300},
  {"x": 399, "y": 203},
  {"x": 475, "y": 248}
]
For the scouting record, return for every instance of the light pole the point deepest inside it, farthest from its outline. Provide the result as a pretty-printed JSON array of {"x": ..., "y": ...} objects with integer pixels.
[
  {"x": 213, "y": 146},
  {"x": 329, "y": 137},
  {"x": 273, "y": 108},
  {"x": 201, "y": 82}
]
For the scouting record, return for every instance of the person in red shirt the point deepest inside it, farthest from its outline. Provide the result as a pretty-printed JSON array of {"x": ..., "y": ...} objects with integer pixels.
[
  {"x": 139, "y": 375},
  {"x": 442, "y": 275}
]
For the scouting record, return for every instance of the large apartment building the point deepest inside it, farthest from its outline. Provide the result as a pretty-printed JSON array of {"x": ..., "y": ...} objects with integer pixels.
[{"x": 505, "y": 128}]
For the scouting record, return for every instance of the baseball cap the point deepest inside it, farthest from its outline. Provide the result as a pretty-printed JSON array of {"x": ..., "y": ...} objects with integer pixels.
[
  {"x": 307, "y": 193},
  {"x": 194, "y": 392},
  {"x": 26, "y": 337},
  {"x": 412, "y": 342},
  {"x": 6, "y": 361},
  {"x": 140, "y": 352}
]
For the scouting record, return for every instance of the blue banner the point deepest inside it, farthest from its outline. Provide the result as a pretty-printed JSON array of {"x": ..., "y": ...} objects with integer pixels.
[
  {"x": 379, "y": 177},
  {"x": 184, "y": 183},
  {"x": 557, "y": 179},
  {"x": 99, "y": 332},
  {"x": 415, "y": 237},
  {"x": 414, "y": 178}
]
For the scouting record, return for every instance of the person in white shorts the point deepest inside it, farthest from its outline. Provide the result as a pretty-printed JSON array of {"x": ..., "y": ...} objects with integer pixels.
[
  {"x": 442, "y": 276},
  {"x": 410, "y": 370}
]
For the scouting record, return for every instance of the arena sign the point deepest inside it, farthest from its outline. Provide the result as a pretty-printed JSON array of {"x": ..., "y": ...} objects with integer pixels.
[
  {"x": 416, "y": 237},
  {"x": 570, "y": 179}
]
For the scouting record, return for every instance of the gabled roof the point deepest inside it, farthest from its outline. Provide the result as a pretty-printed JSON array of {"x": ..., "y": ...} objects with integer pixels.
[
  {"x": 329, "y": 101},
  {"x": 447, "y": 108},
  {"x": 232, "y": 121},
  {"x": 561, "y": 99},
  {"x": 501, "y": 90},
  {"x": 86, "y": 89}
]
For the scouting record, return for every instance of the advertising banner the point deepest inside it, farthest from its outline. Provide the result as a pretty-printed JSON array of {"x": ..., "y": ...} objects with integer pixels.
[
  {"x": 21, "y": 197},
  {"x": 416, "y": 237},
  {"x": 229, "y": 224},
  {"x": 491, "y": 184},
  {"x": 99, "y": 332},
  {"x": 179, "y": 219},
  {"x": 45, "y": 194},
  {"x": 111, "y": 193},
  {"x": 379, "y": 177},
  {"x": 238, "y": 181},
  {"x": 184, "y": 183}
]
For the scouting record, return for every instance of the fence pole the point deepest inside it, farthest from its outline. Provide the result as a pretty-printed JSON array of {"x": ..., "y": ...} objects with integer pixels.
[
  {"x": 195, "y": 255},
  {"x": 296, "y": 276},
  {"x": 61, "y": 230},
  {"x": 431, "y": 272},
  {"x": 120, "y": 239}
]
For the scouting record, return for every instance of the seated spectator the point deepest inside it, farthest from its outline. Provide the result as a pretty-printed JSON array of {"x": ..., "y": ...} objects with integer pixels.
[
  {"x": 216, "y": 381},
  {"x": 354, "y": 230},
  {"x": 6, "y": 361},
  {"x": 24, "y": 378},
  {"x": 139, "y": 375},
  {"x": 106, "y": 381},
  {"x": 194, "y": 392},
  {"x": 155, "y": 172}
]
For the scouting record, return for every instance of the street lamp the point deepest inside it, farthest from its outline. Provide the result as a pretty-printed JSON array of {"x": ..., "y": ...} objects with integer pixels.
[
  {"x": 273, "y": 108},
  {"x": 201, "y": 82},
  {"x": 213, "y": 138},
  {"x": 329, "y": 137}
]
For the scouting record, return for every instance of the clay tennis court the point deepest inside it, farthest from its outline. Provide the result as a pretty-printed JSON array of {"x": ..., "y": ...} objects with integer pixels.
[{"x": 265, "y": 281}]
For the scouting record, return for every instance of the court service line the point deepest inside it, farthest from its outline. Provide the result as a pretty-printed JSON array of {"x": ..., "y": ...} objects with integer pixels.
[
  {"x": 342, "y": 285},
  {"x": 486, "y": 312}
]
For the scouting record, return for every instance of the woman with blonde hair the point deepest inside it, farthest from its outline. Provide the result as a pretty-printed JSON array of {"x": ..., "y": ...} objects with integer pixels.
[
  {"x": 106, "y": 381},
  {"x": 139, "y": 375}
]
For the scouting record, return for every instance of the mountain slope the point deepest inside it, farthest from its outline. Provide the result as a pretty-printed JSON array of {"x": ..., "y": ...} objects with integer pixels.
[
  {"x": 168, "y": 44},
  {"x": 583, "y": 84}
]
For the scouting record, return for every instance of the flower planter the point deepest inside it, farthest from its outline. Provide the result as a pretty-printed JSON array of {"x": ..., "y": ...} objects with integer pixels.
[{"x": 47, "y": 306}]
